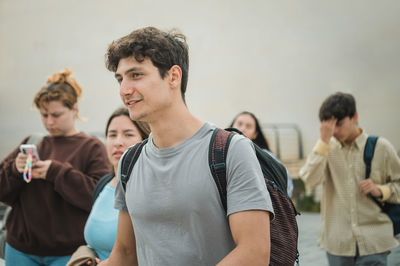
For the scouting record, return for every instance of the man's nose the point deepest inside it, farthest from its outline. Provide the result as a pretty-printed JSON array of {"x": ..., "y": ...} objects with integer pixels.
[{"x": 125, "y": 88}]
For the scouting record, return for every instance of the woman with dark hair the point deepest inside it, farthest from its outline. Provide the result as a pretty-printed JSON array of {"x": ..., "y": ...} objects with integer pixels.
[
  {"x": 51, "y": 196},
  {"x": 101, "y": 226},
  {"x": 248, "y": 124}
]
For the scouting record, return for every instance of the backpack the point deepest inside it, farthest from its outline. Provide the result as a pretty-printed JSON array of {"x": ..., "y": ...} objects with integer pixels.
[
  {"x": 392, "y": 210},
  {"x": 284, "y": 230},
  {"x": 33, "y": 139}
]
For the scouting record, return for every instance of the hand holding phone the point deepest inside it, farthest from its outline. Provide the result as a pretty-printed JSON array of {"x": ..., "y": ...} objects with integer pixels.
[
  {"x": 20, "y": 162},
  {"x": 24, "y": 148}
]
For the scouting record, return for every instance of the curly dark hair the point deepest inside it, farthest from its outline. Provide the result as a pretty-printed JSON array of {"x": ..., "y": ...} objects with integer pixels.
[
  {"x": 164, "y": 49},
  {"x": 339, "y": 106}
]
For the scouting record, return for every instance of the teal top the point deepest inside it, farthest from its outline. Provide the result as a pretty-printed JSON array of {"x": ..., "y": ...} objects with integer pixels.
[{"x": 101, "y": 226}]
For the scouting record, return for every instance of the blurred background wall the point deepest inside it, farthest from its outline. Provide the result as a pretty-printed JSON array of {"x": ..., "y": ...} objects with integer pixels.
[{"x": 278, "y": 59}]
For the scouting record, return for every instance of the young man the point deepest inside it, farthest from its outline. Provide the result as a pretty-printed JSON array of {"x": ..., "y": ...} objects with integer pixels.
[
  {"x": 171, "y": 213},
  {"x": 354, "y": 229}
]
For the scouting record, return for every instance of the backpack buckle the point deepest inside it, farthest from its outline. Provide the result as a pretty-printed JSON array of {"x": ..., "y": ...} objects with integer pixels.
[{"x": 219, "y": 168}]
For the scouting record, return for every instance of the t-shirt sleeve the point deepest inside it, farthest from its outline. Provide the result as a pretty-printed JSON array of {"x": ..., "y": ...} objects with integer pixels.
[
  {"x": 246, "y": 188},
  {"x": 119, "y": 197}
]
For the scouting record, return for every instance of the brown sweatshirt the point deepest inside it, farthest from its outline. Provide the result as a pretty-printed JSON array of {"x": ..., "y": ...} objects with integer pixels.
[{"x": 48, "y": 215}]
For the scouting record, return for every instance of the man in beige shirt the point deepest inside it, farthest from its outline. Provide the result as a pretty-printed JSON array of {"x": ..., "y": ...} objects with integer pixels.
[{"x": 354, "y": 230}]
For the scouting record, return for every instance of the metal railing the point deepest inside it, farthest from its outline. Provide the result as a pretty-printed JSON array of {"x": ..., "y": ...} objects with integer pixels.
[{"x": 285, "y": 140}]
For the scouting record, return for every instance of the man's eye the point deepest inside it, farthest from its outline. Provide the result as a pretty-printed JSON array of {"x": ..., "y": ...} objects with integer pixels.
[{"x": 136, "y": 75}]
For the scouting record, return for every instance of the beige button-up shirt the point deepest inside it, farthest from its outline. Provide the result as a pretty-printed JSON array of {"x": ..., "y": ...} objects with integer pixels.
[{"x": 349, "y": 217}]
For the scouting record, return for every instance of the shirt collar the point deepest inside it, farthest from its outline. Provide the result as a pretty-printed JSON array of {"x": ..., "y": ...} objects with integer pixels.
[{"x": 359, "y": 142}]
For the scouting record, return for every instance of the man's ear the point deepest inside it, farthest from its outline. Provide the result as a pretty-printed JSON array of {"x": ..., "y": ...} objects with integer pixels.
[
  {"x": 175, "y": 73},
  {"x": 355, "y": 118}
]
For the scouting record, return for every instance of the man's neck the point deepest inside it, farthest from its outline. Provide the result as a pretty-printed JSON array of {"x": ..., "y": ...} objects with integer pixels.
[
  {"x": 174, "y": 128},
  {"x": 357, "y": 132}
]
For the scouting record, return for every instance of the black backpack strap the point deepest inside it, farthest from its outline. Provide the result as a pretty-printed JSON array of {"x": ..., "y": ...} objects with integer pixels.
[
  {"x": 234, "y": 129},
  {"x": 369, "y": 154},
  {"x": 101, "y": 184},
  {"x": 218, "y": 150},
  {"x": 128, "y": 161}
]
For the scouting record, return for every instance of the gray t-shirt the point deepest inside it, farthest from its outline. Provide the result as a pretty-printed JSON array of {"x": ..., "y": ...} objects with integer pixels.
[{"x": 176, "y": 211}]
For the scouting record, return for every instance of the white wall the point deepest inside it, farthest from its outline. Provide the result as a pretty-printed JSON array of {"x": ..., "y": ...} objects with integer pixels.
[{"x": 279, "y": 59}]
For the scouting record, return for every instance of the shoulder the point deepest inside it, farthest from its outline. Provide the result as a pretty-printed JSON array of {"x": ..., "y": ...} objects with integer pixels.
[
  {"x": 101, "y": 184},
  {"x": 236, "y": 144},
  {"x": 382, "y": 141},
  {"x": 241, "y": 148},
  {"x": 132, "y": 153},
  {"x": 385, "y": 146},
  {"x": 241, "y": 142}
]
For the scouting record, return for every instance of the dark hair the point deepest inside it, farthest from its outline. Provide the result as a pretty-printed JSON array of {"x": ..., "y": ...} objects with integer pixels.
[
  {"x": 60, "y": 86},
  {"x": 339, "y": 106},
  {"x": 143, "y": 127},
  {"x": 164, "y": 49},
  {"x": 260, "y": 140}
]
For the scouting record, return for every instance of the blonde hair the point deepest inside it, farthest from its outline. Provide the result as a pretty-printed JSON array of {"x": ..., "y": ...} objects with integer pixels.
[{"x": 60, "y": 86}]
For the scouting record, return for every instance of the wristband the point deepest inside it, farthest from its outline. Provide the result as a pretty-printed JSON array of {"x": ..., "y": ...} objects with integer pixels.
[{"x": 28, "y": 167}]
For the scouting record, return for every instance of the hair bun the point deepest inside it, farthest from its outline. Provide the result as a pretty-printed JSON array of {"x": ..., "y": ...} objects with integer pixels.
[
  {"x": 59, "y": 77},
  {"x": 64, "y": 76}
]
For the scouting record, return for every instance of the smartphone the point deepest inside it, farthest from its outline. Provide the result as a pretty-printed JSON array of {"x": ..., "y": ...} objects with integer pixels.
[{"x": 26, "y": 147}]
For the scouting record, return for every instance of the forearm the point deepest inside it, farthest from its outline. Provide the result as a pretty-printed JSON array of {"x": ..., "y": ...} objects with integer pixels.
[
  {"x": 314, "y": 171},
  {"x": 390, "y": 191},
  {"x": 250, "y": 255},
  {"x": 11, "y": 181},
  {"x": 120, "y": 258},
  {"x": 251, "y": 233},
  {"x": 75, "y": 186},
  {"x": 124, "y": 250}
]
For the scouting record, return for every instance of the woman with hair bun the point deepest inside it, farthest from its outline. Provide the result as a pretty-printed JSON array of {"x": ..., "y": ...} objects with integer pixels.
[{"x": 51, "y": 204}]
